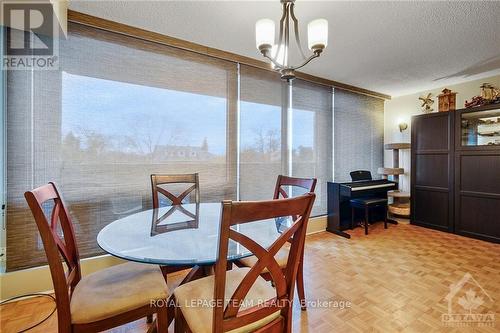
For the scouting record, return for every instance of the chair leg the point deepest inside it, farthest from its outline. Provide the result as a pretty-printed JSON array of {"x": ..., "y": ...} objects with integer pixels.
[
  {"x": 367, "y": 215},
  {"x": 300, "y": 286},
  {"x": 149, "y": 319},
  {"x": 179, "y": 322},
  {"x": 162, "y": 320},
  {"x": 352, "y": 217},
  {"x": 229, "y": 266},
  {"x": 288, "y": 321},
  {"x": 385, "y": 217}
]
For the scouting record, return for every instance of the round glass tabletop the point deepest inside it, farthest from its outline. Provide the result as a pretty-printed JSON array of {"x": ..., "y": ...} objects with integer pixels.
[{"x": 181, "y": 235}]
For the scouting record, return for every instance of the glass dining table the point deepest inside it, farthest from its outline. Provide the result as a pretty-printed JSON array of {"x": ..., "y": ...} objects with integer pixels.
[{"x": 182, "y": 235}]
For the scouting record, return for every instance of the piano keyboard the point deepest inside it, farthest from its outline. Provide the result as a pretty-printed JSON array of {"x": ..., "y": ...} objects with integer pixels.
[
  {"x": 339, "y": 195},
  {"x": 361, "y": 188}
]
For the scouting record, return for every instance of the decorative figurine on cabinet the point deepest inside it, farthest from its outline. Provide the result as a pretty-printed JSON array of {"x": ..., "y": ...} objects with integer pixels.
[
  {"x": 475, "y": 101},
  {"x": 427, "y": 103},
  {"x": 489, "y": 95},
  {"x": 487, "y": 91},
  {"x": 447, "y": 100}
]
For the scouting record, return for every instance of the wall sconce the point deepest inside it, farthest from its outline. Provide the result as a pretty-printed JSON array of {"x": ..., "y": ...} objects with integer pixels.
[{"x": 402, "y": 126}]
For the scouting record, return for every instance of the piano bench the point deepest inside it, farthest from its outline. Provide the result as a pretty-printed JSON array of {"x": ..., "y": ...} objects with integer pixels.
[{"x": 367, "y": 204}]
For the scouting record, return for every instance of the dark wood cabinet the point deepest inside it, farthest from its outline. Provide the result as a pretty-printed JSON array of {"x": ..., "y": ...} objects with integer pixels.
[
  {"x": 455, "y": 181},
  {"x": 431, "y": 171}
]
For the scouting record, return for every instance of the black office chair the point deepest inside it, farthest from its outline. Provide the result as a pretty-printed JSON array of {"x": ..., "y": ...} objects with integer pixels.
[
  {"x": 361, "y": 175},
  {"x": 366, "y": 203}
]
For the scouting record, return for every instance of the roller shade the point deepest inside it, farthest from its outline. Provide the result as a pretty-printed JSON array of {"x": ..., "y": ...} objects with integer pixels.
[
  {"x": 118, "y": 110},
  {"x": 311, "y": 136},
  {"x": 359, "y": 134}
]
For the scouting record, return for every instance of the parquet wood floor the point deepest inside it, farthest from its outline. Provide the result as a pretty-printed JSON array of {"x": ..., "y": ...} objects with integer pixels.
[{"x": 396, "y": 279}]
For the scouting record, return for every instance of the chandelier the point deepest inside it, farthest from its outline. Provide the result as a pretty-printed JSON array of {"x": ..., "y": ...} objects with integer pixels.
[{"x": 317, "y": 37}]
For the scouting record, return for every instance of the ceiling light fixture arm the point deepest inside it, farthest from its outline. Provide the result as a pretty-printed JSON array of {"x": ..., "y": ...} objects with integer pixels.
[
  {"x": 278, "y": 65},
  {"x": 296, "y": 29},
  {"x": 280, "y": 39}
]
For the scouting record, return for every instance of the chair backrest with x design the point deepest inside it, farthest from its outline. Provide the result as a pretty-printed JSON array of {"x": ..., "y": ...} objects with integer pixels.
[
  {"x": 162, "y": 179},
  {"x": 308, "y": 184},
  {"x": 227, "y": 318},
  {"x": 56, "y": 246},
  {"x": 158, "y": 228}
]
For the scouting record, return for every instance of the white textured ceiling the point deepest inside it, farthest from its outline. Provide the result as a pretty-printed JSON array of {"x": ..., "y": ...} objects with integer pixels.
[{"x": 395, "y": 48}]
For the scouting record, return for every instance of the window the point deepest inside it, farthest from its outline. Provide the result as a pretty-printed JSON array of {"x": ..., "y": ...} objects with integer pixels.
[
  {"x": 262, "y": 105},
  {"x": 359, "y": 134},
  {"x": 121, "y": 108},
  {"x": 118, "y": 110},
  {"x": 311, "y": 137},
  {"x": 282, "y": 138}
]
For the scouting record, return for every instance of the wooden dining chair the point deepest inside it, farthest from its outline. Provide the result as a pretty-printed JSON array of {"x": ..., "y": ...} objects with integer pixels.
[
  {"x": 242, "y": 300},
  {"x": 176, "y": 201},
  {"x": 101, "y": 300},
  {"x": 162, "y": 179},
  {"x": 308, "y": 184}
]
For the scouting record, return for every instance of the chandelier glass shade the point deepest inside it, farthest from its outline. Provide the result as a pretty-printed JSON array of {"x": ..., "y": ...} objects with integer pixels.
[{"x": 278, "y": 54}]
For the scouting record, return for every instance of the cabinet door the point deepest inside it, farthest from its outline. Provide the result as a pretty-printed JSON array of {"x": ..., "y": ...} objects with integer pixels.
[
  {"x": 477, "y": 178},
  {"x": 431, "y": 171}
]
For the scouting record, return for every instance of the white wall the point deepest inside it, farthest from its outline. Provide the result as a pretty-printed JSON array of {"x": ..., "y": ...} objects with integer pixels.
[{"x": 404, "y": 107}]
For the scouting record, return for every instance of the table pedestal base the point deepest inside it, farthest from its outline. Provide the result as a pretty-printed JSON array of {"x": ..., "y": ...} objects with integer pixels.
[{"x": 196, "y": 272}]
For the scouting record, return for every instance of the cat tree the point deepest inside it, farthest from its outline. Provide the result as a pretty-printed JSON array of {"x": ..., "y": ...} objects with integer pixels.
[{"x": 400, "y": 205}]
